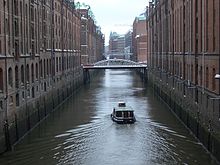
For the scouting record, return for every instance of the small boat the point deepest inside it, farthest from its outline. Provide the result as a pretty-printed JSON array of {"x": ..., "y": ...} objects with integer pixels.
[{"x": 123, "y": 114}]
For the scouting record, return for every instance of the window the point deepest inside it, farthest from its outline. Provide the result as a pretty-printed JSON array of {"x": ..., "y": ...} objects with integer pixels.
[
  {"x": 1, "y": 80},
  {"x": 17, "y": 100},
  {"x": 22, "y": 74},
  {"x": 10, "y": 77},
  {"x": 17, "y": 50},
  {"x": 16, "y": 77},
  {"x": 33, "y": 92},
  {"x": 45, "y": 86},
  {"x": 27, "y": 74},
  {"x": 50, "y": 66},
  {"x": 57, "y": 65},
  {"x": 36, "y": 71},
  {"x": 47, "y": 67},
  {"x": 41, "y": 69},
  {"x": 1, "y": 104},
  {"x": 32, "y": 73},
  {"x": 44, "y": 69},
  {"x": 119, "y": 114},
  {"x": 23, "y": 96}
]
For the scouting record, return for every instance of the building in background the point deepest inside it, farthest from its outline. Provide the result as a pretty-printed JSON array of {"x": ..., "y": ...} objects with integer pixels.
[
  {"x": 139, "y": 39},
  {"x": 92, "y": 39},
  {"x": 128, "y": 45},
  {"x": 116, "y": 45}
]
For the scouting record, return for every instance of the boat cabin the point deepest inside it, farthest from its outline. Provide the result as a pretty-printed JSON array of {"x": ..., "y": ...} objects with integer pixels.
[{"x": 123, "y": 113}]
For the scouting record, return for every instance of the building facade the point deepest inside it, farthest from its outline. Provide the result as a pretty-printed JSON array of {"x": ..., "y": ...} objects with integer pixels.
[
  {"x": 92, "y": 39},
  {"x": 116, "y": 46},
  {"x": 40, "y": 61},
  {"x": 39, "y": 43},
  {"x": 184, "y": 40},
  {"x": 184, "y": 58},
  {"x": 140, "y": 39}
]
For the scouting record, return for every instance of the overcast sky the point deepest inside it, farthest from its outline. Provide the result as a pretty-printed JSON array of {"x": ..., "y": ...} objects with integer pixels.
[{"x": 115, "y": 15}]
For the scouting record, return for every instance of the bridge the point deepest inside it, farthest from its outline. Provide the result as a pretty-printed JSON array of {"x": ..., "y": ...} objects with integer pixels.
[{"x": 115, "y": 64}]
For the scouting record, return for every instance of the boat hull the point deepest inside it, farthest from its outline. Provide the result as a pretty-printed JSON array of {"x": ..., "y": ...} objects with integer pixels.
[{"x": 123, "y": 121}]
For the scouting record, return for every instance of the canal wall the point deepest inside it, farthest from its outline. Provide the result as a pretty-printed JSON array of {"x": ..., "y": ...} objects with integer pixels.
[
  {"x": 197, "y": 108},
  {"x": 30, "y": 114}
]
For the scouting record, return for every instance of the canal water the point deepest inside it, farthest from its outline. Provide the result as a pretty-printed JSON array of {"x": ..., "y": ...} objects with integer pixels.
[{"x": 81, "y": 131}]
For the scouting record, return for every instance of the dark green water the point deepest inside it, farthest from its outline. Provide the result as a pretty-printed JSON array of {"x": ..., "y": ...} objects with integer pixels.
[{"x": 81, "y": 132}]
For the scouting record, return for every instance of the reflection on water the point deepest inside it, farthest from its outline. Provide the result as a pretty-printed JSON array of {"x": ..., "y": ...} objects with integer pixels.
[{"x": 81, "y": 131}]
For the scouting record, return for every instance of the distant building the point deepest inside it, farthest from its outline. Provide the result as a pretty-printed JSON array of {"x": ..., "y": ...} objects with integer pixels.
[
  {"x": 139, "y": 39},
  {"x": 116, "y": 45},
  {"x": 128, "y": 45}
]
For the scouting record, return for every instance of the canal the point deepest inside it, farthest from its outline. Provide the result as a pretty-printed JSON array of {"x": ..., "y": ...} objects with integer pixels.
[{"x": 80, "y": 132}]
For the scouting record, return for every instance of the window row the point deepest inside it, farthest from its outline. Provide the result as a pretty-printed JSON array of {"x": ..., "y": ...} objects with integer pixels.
[{"x": 32, "y": 72}]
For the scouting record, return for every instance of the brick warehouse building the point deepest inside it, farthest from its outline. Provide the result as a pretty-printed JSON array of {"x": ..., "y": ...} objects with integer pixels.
[
  {"x": 92, "y": 39},
  {"x": 40, "y": 61},
  {"x": 184, "y": 57},
  {"x": 139, "y": 39}
]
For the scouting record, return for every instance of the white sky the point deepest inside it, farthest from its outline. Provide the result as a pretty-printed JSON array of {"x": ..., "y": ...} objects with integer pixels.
[{"x": 115, "y": 15}]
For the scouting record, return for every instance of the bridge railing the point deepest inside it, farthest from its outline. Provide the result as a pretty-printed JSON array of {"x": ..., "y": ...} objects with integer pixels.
[{"x": 116, "y": 62}]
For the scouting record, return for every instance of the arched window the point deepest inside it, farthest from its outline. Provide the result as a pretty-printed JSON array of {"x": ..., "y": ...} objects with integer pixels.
[
  {"x": 33, "y": 92},
  {"x": 57, "y": 64},
  {"x": 44, "y": 69},
  {"x": 32, "y": 73},
  {"x": 60, "y": 64},
  {"x": 47, "y": 67},
  {"x": 50, "y": 66},
  {"x": 17, "y": 100},
  {"x": 16, "y": 77},
  {"x": 22, "y": 74},
  {"x": 41, "y": 68},
  {"x": 10, "y": 77},
  {"x": 27, "y": 73},
  {"x": 1, "y": 80},
  {"x": 36, "y": 71}
]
